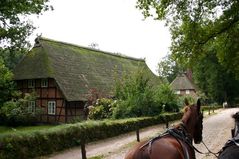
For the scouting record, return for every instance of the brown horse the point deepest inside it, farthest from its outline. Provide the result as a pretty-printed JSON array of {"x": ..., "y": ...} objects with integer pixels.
[
  {"x": 175, "y": 143},
  {"x": 231, "y": 148}
]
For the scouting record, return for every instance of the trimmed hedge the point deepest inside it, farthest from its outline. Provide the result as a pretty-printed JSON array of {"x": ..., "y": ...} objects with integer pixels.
[
  {"x": 30, "y": 145},
  {"x": 205, "y": 108}
]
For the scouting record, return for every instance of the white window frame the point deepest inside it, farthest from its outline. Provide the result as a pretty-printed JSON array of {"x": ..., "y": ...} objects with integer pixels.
[
  {"x": 177, "y": 92},
  {"x": 31, "y": 106},
  {"x": 31, "y": 83},
  {"x": 51, "y": 105},
  {"x": 44, "y": 82},
  {"x": 187, "y": 91}
]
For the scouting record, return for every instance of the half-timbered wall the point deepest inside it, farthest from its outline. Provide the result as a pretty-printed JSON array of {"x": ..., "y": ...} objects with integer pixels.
[
  {"x": 75, "y": 110},
  {"x": 46, "y": 94},
  {"x": 50, "y": 94},
  {"x": 184, "y": 92}
]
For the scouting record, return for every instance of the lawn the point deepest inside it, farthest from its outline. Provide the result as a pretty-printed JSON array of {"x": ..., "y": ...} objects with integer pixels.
[{"x": 11, "y": 130}]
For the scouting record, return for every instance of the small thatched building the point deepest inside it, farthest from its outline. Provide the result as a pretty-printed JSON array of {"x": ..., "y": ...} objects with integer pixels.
[{"x": 183, "y": 85}]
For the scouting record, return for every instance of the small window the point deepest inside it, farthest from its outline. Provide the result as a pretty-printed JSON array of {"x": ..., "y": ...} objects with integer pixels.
[
  {"x": 52, "y": 107},
  {"x": 31, "y": 106},
  {"x": 44, "y": 83},
  {"x": 187, "y": 91},
  {"x": 177, "y": 92},
  {"x": 31, "y": 83}
]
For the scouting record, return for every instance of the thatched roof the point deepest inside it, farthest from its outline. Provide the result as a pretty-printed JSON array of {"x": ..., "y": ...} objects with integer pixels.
[
  {"x": 182, "y": 82},
  {"x": 76, "y": 69}
]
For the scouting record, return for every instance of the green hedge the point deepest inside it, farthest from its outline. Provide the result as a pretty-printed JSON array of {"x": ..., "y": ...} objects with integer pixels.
[
  {"x": 205, "y": 108},
  {"x": 30, "y": 145}
]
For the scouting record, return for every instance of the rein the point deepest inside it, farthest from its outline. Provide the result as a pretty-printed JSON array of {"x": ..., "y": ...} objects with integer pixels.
[{"x": 209, "y": 151}]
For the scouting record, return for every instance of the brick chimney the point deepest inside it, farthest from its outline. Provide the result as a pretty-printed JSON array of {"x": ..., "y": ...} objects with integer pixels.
[{"x": 189, "y": 74}]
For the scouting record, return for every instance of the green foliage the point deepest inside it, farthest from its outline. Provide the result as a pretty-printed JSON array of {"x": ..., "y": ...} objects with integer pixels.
[
  {"x": 97, "y": 157},
  {"x": 16, "y": 112},
  {"x": 168, "y": 69},
  {"x": 6, "y": 84},
  {"x": 210, "y": 107},
  {"x": 214, "y": 80},
  {"x": 70, "y": 135},
  {"x": 166, "y": 97},
  {"x": 135, "y": 96},
  {"x": 103, "y": 109},
  {"x": 198, "y": 26},
  {"x": 6, "y": 130},
  {"x": 15, "y": 27}
]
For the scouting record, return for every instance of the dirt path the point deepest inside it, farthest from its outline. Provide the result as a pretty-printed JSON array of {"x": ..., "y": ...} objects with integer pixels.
[{"x": 216, "y": 132}]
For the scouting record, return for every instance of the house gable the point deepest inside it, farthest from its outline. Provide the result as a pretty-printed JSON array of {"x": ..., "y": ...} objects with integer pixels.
[{"x": 182, "y": 85}]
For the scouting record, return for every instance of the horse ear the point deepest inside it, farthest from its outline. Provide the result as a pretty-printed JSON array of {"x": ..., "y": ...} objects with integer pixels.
[
  {"x": 186, "y": 101},
  {"x": 198, "y": 104},
  {"x": 186, "y": 109}
]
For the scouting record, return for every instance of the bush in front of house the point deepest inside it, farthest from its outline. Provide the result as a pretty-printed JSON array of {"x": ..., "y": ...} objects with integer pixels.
[
  {"x": 102, "y": 109},
  {"x": 30, "y": 145},
  {"x": 166, "y": 97},
  {"x": 17, "y": 112},
  {"x": 136, "y": 97}
]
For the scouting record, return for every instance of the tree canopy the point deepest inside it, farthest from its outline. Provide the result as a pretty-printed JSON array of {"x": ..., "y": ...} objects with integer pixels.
[
  {"x": 14, "y": 31},
  {"x": 213, "y": 79},
  {"x": 197, "y": 26},
  {"x": 168, "y": 69},
  {"x": 15, "y": 26}
]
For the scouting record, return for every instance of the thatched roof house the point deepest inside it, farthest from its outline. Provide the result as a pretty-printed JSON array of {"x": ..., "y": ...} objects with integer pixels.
[
  {"x": 68, "y": 71},
  {"x": 182, "y": 85}
]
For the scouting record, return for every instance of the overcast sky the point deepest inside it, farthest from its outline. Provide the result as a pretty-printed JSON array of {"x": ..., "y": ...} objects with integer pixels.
[{"x": 115, "y": 25}]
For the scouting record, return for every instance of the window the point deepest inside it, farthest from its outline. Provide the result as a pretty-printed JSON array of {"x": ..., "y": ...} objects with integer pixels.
[
  {"x": 51, "y": 107},
  {"x": 187, "y": 91},
  {"x": 31, "y": 106},
  {"x": 31, "y": 83},
  {"x": 177, "y": 92},
  {"x": 44, "y": 83}
]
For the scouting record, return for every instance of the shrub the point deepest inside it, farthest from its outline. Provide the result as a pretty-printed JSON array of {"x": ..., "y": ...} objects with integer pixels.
[
  {"x": 33, "y": 144},
  {"x": 136, "y": 97},
  {"x": 103, "y": 109},
  {"x": 17, "y": 113},
  {"x": 166, "y": 97}
]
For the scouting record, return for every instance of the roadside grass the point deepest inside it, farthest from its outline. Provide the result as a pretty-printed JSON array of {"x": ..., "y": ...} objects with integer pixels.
[
  {"x": 97, "y": 157},
  {"x": 11, "y": 130}
]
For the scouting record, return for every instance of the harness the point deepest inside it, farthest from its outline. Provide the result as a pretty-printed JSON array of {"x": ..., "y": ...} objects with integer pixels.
[
  {"x": 232, "y": 141},
  {"x": 180, "y": 134}
]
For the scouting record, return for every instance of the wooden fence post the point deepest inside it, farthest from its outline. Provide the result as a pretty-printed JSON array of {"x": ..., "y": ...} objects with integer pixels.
[
  {"x": 83, "y": 151},
  {"x": 166, "y": 123},
  {"x": 137, "y": 135},
  {"x": 209, "y": 110}
]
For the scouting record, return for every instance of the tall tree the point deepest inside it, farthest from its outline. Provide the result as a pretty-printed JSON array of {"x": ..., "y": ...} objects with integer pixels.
[
  {"x": 168, "y": 69},
  {"x": 217, "y": 83},
  {"x": 6, "y": 84},
  {"x": 14, "y": 30},
  {"x": 198, "y": 25},
  {"x": 15, "y": 26}
]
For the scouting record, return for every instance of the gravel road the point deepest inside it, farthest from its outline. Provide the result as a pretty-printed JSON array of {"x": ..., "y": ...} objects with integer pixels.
[{"x": 216, "y": 131}]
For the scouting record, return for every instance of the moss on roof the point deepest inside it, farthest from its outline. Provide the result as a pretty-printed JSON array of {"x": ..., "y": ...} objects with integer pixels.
[
  {"x": 76, "y": 69},
  {"x": 182, "y": 82}
]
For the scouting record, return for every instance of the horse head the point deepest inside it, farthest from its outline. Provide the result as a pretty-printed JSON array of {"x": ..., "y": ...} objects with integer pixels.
[{"x": 193, "y": 120}]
